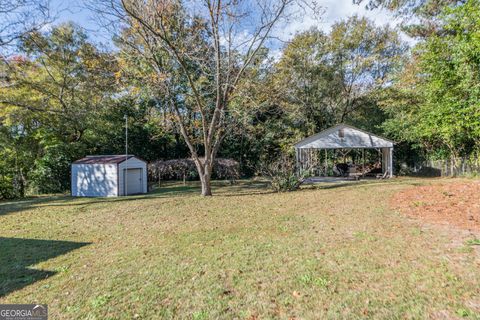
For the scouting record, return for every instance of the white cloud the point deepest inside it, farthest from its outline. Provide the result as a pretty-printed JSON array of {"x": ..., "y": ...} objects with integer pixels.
[{"x": 333, "y": 11}]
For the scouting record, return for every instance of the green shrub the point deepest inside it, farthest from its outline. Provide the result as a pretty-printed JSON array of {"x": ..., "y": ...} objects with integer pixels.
[
  {"x": 283, "y": 175},
  {"x": 51, "y": 173},
  {"x": 7, "y": 190}
]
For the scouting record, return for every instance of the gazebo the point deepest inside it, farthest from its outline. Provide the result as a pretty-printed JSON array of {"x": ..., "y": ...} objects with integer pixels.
[{"x": 344, "y": 138}]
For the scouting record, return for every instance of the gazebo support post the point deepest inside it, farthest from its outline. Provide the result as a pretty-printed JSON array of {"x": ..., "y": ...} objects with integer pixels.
[
  {"x": 326, "y": 162},
  {"x": 390, "y": 161},
  {"x": 387, "y": 162},
  {"x": 299, "y": 160},
  {"x": 309, "y": 158},
  {"x": 363, "y": 165},
  {"x": 304, "y": 159},
  {"x": 384, "y": 161},
  {"x": 296, "y": 159}
]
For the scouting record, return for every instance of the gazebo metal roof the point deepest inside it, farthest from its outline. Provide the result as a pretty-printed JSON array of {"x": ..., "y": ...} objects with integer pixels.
[{"x": 343, "y": 136}]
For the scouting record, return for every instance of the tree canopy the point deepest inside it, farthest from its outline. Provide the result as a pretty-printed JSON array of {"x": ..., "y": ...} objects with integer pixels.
[
  {"x": 196, "y": 84},
  {"x": 439, "y": 108}
]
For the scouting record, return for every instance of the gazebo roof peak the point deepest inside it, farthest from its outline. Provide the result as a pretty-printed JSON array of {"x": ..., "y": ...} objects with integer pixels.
[{"x": 343, "y": 136}]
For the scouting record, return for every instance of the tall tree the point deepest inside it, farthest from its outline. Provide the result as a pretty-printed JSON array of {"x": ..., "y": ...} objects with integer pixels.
[
  {"x": 52, "y": 95},
  {"x": 364, "y": 57},
  {"x": 305, "y": 76},
  {"x": 436, "y": 99},
  {"x": 421, "y": 18},
  {"x": 62, "y": 76},
  {"x": 210, "y": 45},
  {"x": 320, "y": 79},
  {"x": 330, "y": 78}
]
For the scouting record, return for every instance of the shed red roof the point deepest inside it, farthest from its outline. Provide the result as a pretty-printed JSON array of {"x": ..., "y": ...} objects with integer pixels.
[{"x": 103, "y": 159}]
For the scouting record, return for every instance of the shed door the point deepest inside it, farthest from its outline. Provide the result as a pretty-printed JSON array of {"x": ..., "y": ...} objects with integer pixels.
[{"x": 134, "y": 181}]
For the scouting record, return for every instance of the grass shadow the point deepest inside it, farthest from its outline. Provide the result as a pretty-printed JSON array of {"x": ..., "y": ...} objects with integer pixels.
[
  {"x": 168, "y": 189},
  {"x": 175, "y": 189},
  {"x": 17, "y": 254},
  {"x": 244, "y": 188},
  {"x": 219, "y": 188},
  {"x": 360, "y": 183},
  {"x": 10, "y": 206}
]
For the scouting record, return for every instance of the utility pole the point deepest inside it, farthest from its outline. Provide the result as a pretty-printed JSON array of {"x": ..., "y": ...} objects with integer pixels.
[{"x": 125, "y": 175}]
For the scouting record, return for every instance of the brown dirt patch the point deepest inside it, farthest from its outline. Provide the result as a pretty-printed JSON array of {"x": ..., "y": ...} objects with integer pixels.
[{"x": 456, "y": 204}]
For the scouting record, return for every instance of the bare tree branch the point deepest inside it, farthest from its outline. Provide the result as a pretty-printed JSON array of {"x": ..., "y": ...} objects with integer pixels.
[{"x": 210, "y": 43}]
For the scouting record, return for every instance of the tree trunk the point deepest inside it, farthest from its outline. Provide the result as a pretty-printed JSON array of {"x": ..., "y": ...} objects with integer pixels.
[
  {"x": 206, "y": 184},
  {"x": 205, "y": 173}
]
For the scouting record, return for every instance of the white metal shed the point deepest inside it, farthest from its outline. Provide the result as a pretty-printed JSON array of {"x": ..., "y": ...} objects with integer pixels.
[
  {"x": 343, "y": 136},
  {"x": 108, "y": 176}
]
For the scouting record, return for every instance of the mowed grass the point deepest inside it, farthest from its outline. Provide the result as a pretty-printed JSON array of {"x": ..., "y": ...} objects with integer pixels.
[{"x": 246, "y": 253}]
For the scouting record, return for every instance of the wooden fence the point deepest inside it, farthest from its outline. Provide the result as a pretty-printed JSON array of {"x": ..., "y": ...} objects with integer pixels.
[{"x": 445, "y": 168}]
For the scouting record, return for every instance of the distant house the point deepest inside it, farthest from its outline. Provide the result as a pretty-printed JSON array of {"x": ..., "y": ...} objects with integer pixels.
[{"x": 109, "y": 176}]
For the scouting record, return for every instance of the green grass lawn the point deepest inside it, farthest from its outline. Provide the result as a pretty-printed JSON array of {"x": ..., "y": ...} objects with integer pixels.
[{"x": 246, "y": 253}]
